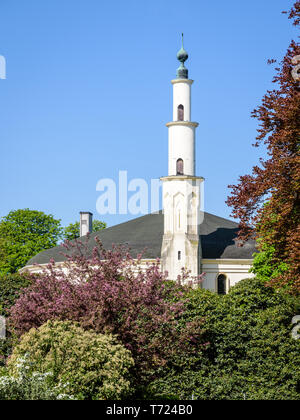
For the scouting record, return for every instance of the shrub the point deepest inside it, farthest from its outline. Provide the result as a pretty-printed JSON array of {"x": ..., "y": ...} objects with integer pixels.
[
  {"x": 251, "y": 353},
  {"x": 29, "y": 386},
  {"x": 110, "y": 295},
  {"x": 90, "y": 365},
  {"x": 11, "y": 287}
]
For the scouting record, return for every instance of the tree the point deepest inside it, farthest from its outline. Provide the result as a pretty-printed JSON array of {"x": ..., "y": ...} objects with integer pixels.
[
  {"x": 23, "y": 234},
  {"x": 268, "y": 200},
  {"x": 72, "y": 231}
]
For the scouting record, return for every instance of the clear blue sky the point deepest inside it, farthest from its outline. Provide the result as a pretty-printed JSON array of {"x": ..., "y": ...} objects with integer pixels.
[{"x": 88, "y": 93}]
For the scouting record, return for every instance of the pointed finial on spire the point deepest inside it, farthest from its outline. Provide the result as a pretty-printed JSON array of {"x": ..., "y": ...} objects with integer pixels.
[{"x": 182, "y": 56}]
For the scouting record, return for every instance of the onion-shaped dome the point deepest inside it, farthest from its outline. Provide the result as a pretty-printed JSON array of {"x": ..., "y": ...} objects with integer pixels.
[{"x": 182, "y": 56}]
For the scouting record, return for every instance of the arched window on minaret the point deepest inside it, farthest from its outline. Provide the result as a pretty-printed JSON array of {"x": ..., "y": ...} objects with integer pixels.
[
  {"x": 179, "y": 167},
  {"x": 180, "y": 113},
  {"x": 221, "y": 284}
]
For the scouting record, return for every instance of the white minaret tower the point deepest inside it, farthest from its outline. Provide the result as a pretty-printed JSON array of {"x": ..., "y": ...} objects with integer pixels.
[{"x": 181, "y": 188}]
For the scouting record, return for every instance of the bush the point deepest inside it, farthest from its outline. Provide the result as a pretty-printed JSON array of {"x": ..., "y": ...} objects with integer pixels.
[
  {"x": 251, "y": 354},
  {"x": 29, "y": 386},
  {"x": 90, "y": 365},
  {"x": 11, "y": 287}
]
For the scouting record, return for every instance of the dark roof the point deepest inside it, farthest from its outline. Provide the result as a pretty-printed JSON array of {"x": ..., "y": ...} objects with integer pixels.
[{"x": 145, "y": 234}]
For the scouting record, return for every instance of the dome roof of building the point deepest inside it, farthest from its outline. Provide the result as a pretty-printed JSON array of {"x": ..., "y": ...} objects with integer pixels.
[
  {"x": 144, "y": 235},
  {"x": 182, "y": 55}
]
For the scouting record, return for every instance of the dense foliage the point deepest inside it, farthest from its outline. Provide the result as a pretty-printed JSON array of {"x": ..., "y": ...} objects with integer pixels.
[
  {"x": 263, "y": 264},
  {"x": 23, "y": 234},
  {"x": 110, "y": 294},
  {"x": 28, "y": 385},
  {"x": 251, "y": 353},
  {"x": 89, "y": 365},
  {"x": 72, "y": 231},
  {"x": 276, "y": 182},
  {"x": 11, "y": 286}
]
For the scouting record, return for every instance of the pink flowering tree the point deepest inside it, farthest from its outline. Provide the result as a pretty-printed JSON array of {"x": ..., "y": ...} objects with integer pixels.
[{"x": 109, "y": 293}]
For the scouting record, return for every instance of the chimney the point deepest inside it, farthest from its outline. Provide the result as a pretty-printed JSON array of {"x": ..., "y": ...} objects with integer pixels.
[{"x": 86, "y": 223}]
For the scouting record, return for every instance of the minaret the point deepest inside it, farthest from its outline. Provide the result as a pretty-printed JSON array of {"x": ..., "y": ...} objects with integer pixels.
[{"x": 181, "y": 188}]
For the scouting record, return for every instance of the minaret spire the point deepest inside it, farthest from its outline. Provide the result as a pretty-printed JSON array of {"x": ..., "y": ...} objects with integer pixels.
[{"x": 182, "y": 56}]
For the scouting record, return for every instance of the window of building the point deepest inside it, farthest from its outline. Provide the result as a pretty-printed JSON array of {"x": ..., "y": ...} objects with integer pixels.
[
  {"x": 221, "y": 284},
  {"x": 179, "y": 167},
  {"x": 179, "y": 255},
  {"x": 180, "y": 113}
]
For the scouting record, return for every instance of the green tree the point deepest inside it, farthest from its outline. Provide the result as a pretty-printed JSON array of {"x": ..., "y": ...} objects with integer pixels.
[
  {"x": 23, "y": 234},
  {"x": 263, "y": 266},
  {"x": 72, "y": 231}
]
